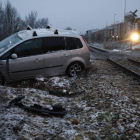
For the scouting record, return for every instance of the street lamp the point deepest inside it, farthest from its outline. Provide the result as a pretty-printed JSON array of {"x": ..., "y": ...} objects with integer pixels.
[
  {"x": 114, "y": 18},
  {"x": 135, "y": 37}
]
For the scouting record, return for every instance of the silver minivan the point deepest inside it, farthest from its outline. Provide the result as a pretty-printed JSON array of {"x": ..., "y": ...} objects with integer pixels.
[{"x": 42, "y": 52}]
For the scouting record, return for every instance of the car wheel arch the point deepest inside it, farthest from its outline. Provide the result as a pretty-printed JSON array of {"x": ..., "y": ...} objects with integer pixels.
[{"x": 79, "y": 62}]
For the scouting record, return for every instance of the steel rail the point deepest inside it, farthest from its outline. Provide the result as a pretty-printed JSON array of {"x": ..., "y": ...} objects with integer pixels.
[
  {"x": 135, "y": 74},
  {"x": 125, "y": 68},
  {"x": 134, "y": 61},
  {"x": 98, "y": 49}
]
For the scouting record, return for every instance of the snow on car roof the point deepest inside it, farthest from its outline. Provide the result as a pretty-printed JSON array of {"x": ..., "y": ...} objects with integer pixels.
[{"x": 25, "y": 34}]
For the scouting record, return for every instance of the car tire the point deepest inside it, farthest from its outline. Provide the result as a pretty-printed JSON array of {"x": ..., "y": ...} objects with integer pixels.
[{"x": 74, "y": 69}]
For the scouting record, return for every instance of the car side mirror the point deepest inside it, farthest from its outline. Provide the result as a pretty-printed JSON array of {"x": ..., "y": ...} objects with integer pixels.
[{"x": 14, "y": 56}]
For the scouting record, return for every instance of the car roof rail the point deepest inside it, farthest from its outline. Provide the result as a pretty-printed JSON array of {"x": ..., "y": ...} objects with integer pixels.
[
  {"x": 56, "y": 32},
  {"x": 29, "y": 28},
  {"x": 34, "y": 33},
  {"x": 48, "y": 27}
]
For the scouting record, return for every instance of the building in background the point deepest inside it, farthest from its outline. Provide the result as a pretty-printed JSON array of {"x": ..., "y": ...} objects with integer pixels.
[
  {"x": 91, "y": 35},
  {"x": 116, "y": 31}
]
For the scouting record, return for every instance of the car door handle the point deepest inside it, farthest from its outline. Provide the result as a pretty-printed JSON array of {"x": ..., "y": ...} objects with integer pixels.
[
  {"x": 65, "y": 55},
  {"x": 37, "y": 60}
]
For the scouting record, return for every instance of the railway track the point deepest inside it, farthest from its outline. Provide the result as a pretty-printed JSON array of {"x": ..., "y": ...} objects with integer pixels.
[
  {"x": 99, "y": 52},
  {"x": 95, "y": 48},
  {"x": 130, "y": 66}
]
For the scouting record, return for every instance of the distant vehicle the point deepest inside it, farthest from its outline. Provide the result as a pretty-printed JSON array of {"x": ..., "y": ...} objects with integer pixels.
[{"x": 42, "y": 52}]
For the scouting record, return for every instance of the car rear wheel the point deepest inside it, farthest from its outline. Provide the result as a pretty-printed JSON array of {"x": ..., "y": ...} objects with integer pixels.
[{"x": 74, "y": 69}]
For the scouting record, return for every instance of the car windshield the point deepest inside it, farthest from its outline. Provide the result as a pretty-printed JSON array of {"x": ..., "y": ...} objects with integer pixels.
[{"x": 8, "y": 42}]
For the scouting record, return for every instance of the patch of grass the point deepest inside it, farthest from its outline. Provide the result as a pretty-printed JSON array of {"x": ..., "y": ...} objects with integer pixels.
[
  {"x": 47, "y": 100},
  {"x": 102, "y": 116},
  {"x": 88, "y": 97}
]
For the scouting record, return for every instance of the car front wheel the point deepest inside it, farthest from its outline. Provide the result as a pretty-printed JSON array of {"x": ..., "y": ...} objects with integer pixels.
[{"x": 74, "y": 69}]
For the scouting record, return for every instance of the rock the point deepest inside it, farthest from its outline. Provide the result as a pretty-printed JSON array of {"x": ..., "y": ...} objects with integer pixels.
[
  {"x": 120, "y": 120},
  {"x": 103, "y": 136},
  {"x": 132, "y": 126},
  {"x": 79, "y": 137},
  {"x": 64, "y": 91},
  {"x": 130, "y": 132},
  {"x": 114, "y": 120},
  {"x": 22, "y": 138},
  {"x": 138, "y": 112},
  {"x": 121, "y": 128},
  {"x": 137, "y": 99},
  {"x": 75, "y": 121},
  {"x": 137, "y": 135}
]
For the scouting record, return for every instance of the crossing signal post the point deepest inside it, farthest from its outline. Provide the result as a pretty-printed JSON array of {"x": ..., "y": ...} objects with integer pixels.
[
  {"x": 131, "y": 17},
  {"x": 105, "y": 36}
]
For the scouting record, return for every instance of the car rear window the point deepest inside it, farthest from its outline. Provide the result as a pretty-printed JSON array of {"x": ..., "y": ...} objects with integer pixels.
[
  {"x": 73, "y": 43},
  {"x": 53, "y": 44}
]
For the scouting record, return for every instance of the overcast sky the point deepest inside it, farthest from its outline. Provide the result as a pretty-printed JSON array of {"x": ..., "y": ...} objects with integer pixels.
[{"x": 81, "y": 15}]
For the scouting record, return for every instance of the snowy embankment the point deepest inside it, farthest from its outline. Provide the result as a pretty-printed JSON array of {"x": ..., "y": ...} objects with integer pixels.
[
  {"x": 97, "y": 45},
  {"x": 116, "y": 46},
  {"x": 136, "y": 47}
]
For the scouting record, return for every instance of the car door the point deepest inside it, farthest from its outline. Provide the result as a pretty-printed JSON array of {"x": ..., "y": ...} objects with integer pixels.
[
  {"x": 56, "y": 56},
  {"x": 29, "y": 61}
]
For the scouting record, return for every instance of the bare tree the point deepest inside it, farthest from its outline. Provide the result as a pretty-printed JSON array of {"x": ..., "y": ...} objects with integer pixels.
[
  {"x": 31, "y": 19},
  {"x": 68, "y": 28},
  {"x": 12, "y": 20},
  {"x": 42, "y": 23},
  {"x": 1, "y": 21}
]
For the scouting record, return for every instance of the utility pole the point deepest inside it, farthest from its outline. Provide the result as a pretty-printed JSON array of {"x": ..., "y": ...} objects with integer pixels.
[
  {"x": 124, "y": 9},
  {"x": 114, "y": 18}
]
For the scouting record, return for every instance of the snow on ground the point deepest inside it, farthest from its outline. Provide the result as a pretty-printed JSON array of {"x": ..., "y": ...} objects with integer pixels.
[
  {"x": 60, "y": 82},
  {"x": 92, "y": 56},
  {"x": 136, "y": 47},
  {"x": 108, "y": 109},
  {"x": 122, "y": 46},
  {"x": 98, "y": 45},
  {"x": 40, "y": 79},
  {"x": 115, "y": 50},
  {"x": 114, "y": 46}
]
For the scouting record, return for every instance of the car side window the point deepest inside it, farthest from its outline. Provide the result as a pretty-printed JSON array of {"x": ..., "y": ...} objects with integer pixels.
[
  {"x": 29, "y": 48},
  {"x": 73, "y": 43},
  {"x": 6, "y": 56},
  {"x": 53, "y": 44}
]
